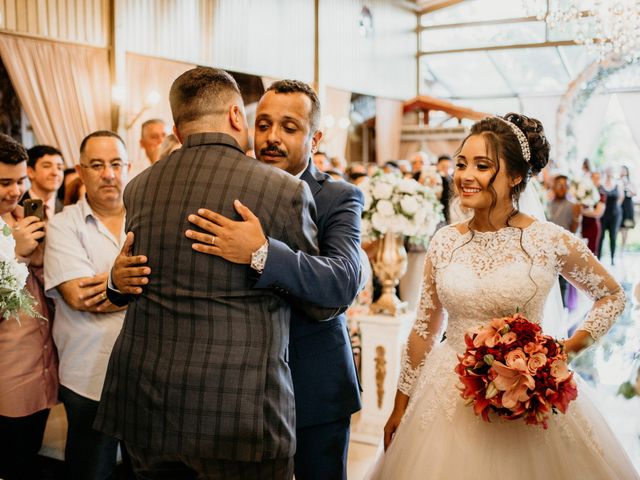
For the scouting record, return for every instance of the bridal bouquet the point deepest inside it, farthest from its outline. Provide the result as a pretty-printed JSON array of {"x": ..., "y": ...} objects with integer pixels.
[
  {"x": 511, "y": 369},
  {"x": 14, "y": 298},
  {"x": 399, "y": 205},
  {"x": 585, "y": 192}
]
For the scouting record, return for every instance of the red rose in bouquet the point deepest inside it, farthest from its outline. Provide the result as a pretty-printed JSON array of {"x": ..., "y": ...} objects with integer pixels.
[{"x": 510, "y": 368}]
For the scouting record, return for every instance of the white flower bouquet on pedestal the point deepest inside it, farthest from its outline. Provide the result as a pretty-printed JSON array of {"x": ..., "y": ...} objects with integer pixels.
[
  {"x": 14, "y": 298},
  {"x": 401, "y": 206},
  {"x": 394, "y": 208}
]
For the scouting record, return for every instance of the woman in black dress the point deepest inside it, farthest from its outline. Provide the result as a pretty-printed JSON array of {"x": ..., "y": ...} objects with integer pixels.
[
  {"x": 612, "y": 216},
  {"x": 628, "y": 220}
]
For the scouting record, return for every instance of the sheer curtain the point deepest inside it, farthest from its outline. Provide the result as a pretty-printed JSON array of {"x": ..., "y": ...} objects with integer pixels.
[
  {"x": 388, "y": 129},
  {"x": 146, "y": 75},
  {"x": 64, "y": 89},
  {"x": 630, "y": 103}
]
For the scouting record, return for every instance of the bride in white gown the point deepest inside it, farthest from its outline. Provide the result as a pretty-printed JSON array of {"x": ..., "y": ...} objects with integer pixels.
[{"x": 499, "y": 261}]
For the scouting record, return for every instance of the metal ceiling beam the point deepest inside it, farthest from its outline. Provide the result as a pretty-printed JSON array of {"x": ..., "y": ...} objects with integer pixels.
[
  {"x": 559, "y": 43},
  {"x": 430, "y": 6},
  {"x": 482, "y": 23}
]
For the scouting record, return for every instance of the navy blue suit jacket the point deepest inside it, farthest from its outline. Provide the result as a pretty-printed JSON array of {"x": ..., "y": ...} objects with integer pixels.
[{"x": 325, "y": 381}]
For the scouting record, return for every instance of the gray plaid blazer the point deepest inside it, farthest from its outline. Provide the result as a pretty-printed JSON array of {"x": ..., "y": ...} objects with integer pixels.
[{"x": 200, "y": 367}]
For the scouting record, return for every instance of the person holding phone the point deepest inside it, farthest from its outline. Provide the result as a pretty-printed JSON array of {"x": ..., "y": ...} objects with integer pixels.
[
  {"x": 28, "y": 362},
  {"x": 45, "y": 169}
]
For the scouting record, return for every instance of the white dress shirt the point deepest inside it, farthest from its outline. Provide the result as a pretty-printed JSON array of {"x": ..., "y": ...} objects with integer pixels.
[{"x": 79, "y": 245}]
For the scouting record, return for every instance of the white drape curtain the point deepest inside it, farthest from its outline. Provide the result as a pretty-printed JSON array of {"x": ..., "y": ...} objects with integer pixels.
[
  {"x": 336, "y": 105},
  {"x": 588, "y": 126},
  {"x": 388, "y": 129},
  {"x": 146, "y": 75},
  {"x": 64, "y": 89},
  {"x": 630, "y": 103},
  {"x": 545, "y": 109}
]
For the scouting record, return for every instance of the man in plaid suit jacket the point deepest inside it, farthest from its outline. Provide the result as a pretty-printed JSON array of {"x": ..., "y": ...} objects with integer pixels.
[{"x": 198, "y": 380}]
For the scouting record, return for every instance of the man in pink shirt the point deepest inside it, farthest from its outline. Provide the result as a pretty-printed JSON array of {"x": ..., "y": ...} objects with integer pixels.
[{"x": 28, "y": 362}]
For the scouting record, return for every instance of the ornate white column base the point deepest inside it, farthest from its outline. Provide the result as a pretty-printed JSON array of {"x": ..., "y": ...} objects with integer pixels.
[{"x": 382, "y": 339}]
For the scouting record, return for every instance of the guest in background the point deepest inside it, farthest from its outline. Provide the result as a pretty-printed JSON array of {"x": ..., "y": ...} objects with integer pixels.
[
  {"x": 565, "y": 213},
  {"x": 82, "y": 243},
  {"x": 74, "y": 192},
  {"x": 628, "y": 216},
  {"x": 70, "y": 175},
  {"x": 338, "y": 164},
  {"x": 612, "y": 216},
  {"x": 444, "y": 166},
  {"x": 321, "y": 161},
  {"x": 418, "y": 161},
  {"x": 168, "y": 146},
  {"x": 152, "y": 134},
  {"x": 591, "y": 217},
  {"x": 405, "y": 168},
  {"x": 45, "y": 170},
  {"x": 28, "y": 362}
]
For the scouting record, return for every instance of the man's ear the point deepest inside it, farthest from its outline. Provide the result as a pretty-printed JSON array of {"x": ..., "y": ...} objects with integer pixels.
[
  {"x": 315, "y": 140},
  {"x": 236, "y": 118},
  {"x": 31, "y": 173}
]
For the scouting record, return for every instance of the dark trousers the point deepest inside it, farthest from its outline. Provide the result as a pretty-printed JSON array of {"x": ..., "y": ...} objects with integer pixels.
[
  {"x": 321, "y": 451},
  {"x": 89, "y": 454},
  {"x": 150, "y": 465},
  {"x": 20, "y": 441},
  {"x": 610, "y": 224}
]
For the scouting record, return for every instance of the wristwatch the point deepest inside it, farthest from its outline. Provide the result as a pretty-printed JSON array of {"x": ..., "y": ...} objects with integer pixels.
[{"x": 259, "y": 257}]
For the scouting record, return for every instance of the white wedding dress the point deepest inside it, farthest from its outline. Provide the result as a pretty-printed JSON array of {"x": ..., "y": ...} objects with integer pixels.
[{"x": 475, "y": 277}]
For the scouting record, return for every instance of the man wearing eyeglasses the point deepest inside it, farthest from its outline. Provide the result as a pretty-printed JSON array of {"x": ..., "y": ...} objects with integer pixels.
[{"x": 82, "y": 242}]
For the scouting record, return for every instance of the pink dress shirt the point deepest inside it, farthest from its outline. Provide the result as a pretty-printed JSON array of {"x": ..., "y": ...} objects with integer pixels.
[{"x": 28, "y": 360}]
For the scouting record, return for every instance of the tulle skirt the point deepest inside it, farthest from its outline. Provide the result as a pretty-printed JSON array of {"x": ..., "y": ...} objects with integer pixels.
[{"x": 441, "y": 438}]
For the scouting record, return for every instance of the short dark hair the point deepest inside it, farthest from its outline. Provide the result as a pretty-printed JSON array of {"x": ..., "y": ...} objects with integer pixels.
[
  {"x": 442, "y": 158},
  {"x": 200, "y": 92},
  {"x": 151, "y": 121},
  {"x": 560, "y": 177},
  {"x": 97, "y": 134},
  {"x": 11, "y": 152},
  {"x": 296, "y": 86},
  {"x": 39, "y": 151}
]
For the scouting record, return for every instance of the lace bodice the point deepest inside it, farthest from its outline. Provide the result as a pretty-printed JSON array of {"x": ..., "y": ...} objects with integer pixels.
[{"x": 478, "y": 276}]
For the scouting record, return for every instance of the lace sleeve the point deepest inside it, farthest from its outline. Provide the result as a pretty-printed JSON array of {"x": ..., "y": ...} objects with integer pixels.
[
  {"x": 580, "y": 267},
  {"x": 425, "y": 331}
]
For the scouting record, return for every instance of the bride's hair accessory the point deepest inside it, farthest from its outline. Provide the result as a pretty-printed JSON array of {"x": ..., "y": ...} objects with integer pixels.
[{"x": 522, "y": 139}]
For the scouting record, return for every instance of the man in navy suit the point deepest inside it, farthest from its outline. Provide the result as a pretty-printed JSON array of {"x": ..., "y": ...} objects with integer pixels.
[{"x": 325, "y": 382}]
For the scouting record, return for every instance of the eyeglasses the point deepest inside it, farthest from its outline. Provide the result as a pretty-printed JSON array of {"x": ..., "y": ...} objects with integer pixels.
[{"x": 99, "y": 167}]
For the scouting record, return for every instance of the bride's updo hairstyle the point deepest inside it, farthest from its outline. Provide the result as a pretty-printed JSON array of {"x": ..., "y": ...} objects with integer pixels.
[{"x": 504, "y": 142}]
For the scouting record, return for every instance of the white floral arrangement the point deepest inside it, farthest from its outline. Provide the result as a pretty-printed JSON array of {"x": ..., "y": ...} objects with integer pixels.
[
  {"x": 14, "y": 298},
  {"x": 399, "y": 205},
  {"x": 585, "y": 192}
]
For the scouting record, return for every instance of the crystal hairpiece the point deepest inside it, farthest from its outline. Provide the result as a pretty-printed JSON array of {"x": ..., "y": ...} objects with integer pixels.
[{"x": 524, "y": 143}]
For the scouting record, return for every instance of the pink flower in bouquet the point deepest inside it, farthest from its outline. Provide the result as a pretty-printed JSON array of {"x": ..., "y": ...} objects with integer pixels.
[
  {"x": 560, "y": 370},
  {"x": 514, "y": 380},
  {"x": 508, "y": 338},
  {"x": 489, "y": 335},
  {"x": 536, "y": 361}
]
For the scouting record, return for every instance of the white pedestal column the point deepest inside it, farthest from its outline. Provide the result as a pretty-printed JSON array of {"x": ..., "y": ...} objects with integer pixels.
[{"x": 382, "y": 339}]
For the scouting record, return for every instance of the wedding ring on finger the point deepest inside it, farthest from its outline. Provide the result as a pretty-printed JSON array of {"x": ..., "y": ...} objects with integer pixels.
[
  {"x": 103, "y": 296},
  {"x": 213, "y": 240}
]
